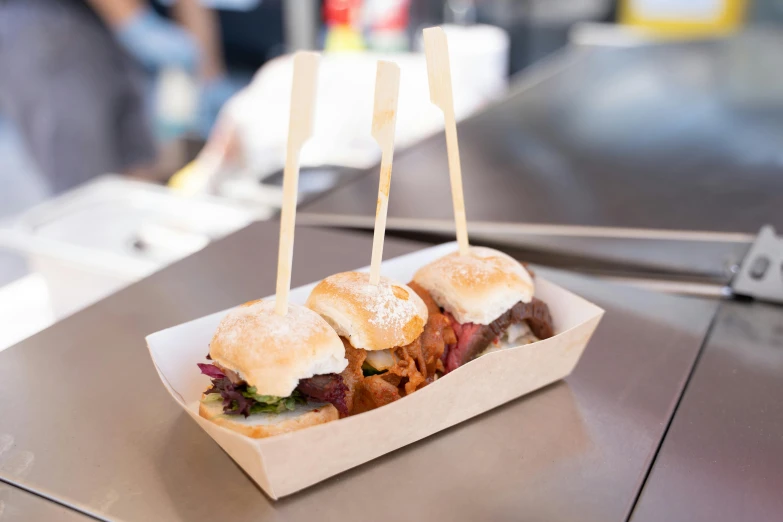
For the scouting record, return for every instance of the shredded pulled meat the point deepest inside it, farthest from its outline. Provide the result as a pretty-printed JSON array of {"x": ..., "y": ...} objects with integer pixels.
[
  {"x": 352, "y": 375},
  {"x": 472, "y": 339},
  {"x": 410, "y": 366},
  {"x": 432, "y": 306},
  {"x": 366, "y": 393},
  {"x": 416, "y": 364},
  {"x": 437, "y": 334},
  {"x": 373, "y": 392}
]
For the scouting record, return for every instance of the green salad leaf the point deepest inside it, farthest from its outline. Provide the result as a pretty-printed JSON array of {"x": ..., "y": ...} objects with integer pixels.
[
  {"x": 368, "y": 370},
  {"x": 271, "y": 403}
]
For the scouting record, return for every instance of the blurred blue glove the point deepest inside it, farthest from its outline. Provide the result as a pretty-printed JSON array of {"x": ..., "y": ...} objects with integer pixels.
[
  {"x": 157, "y": 43},
  {"x": 214, "y": 94}
]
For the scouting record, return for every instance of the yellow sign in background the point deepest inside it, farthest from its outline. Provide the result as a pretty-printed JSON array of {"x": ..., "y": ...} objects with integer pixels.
[{"x": 683, "y": 18}]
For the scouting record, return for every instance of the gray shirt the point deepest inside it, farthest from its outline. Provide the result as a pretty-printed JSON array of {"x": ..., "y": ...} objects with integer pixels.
[{"x": 75, "y": 96}]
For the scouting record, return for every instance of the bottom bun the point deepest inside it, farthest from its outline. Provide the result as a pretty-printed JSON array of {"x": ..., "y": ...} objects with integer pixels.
[{"x": 261, "y": 425}]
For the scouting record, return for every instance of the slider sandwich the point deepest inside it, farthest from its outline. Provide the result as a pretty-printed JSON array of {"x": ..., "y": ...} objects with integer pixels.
[
  {"x": 489, "y": 300},
  {"x": 273, "y": 373},
  {"x": 393, "y": 340}
]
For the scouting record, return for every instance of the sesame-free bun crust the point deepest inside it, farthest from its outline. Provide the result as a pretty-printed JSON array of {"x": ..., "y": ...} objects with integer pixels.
[
  {"x": 262, "y": 425},
  {"x": 273, "y": 352},
  {"x": 478, "y": 287},
  {"x": 371, "y": 317}
]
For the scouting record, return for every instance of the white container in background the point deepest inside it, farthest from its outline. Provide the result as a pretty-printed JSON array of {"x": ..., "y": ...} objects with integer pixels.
[
  {"x": 479, "y": 58},
  {"x": 111, "y": 232}
]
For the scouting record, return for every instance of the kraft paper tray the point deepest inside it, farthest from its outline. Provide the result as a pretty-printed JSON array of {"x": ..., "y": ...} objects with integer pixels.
[{"x": 287, "y": 463}]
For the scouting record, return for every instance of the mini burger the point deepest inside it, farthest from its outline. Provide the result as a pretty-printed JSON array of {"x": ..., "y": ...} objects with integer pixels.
[
  {"x": 488, "y": 297},
  {"x": 273, "y": 374},
  {"x": 393, "y": 340}
]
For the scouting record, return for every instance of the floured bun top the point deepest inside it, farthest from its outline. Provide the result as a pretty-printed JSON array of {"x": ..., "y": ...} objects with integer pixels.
[
  {"x": 478, "y": 287},
  {"x": 371, "y": 317},
  {"x": 273, "y": 352}
]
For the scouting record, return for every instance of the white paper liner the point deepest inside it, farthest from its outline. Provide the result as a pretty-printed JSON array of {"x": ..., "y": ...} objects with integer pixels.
[{"x": 287, "y": 463}]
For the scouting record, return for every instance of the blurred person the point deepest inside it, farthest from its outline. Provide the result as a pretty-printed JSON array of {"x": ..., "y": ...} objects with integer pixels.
[{"x": 72, "y": 79}]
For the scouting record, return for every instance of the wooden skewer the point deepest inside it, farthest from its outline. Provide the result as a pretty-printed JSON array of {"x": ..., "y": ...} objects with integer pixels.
[
  {"x": 436, "y": 50},
  {"x": 300, "y": 128},
  {"x": 387, "y": 89}
]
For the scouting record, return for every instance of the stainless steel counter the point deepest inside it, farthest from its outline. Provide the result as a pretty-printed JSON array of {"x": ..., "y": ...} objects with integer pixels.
[
  {"x": 722, "y": 459},
  {"x": 87, "y": 421},
  {"x": 605, "y": 142},
  {"x": 17, "y": 505},
  {"x": 677, "y": 137}
]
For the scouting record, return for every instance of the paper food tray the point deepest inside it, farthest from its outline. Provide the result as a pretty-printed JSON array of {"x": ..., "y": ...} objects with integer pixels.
[{"x": 287, "y": 463}]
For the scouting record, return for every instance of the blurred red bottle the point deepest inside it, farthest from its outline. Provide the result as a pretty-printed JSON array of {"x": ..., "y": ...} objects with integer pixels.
[{"x": 343, "y": 25}]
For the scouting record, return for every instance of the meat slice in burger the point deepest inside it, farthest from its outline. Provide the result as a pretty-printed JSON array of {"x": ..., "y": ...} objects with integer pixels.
[
  {"x": 391, "y": 341},
  {"x": 489, "y": 300},
  {"x": 274, "y": 374}
]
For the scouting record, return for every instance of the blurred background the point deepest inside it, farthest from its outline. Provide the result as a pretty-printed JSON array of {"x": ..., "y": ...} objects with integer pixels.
[{"x": 134, "y": 132}]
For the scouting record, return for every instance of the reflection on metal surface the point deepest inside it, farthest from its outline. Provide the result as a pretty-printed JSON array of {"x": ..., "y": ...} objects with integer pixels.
[
  {"x": 18, "y": 505},
  {"x": 722, "y": 459},
  {"x": 505, "y": 451},
  {"x": 673, "y": 287}
]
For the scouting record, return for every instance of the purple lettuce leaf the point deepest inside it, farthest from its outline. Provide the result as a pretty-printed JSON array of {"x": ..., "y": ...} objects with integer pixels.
[{"x": 211, "y": 371}]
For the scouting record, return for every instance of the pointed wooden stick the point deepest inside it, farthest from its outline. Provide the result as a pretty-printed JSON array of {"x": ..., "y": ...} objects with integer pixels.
[
  {"x": 300, "y": 128},
  {"x": 439, "y": 72},
  {"x": 384, "y": 119}
]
